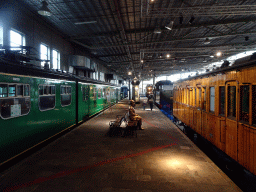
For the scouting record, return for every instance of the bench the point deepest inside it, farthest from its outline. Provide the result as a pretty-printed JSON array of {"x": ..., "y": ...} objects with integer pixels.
[
  {"x": 130, "y": 127},
  {"x": 115, "y": 126}
]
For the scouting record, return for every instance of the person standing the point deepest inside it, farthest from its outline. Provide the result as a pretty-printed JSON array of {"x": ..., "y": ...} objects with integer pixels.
[{"x": 151, "y": 101}]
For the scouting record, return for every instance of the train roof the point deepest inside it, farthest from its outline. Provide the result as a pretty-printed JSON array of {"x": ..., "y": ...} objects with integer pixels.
[
  {"x": 244, "y": 64},
  {"x": 28, "y": 69}
]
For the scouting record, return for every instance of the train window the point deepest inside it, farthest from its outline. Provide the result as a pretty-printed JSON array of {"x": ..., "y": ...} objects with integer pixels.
[
  {"x": 46, "y": 97},
  {"x": 212, "y": 99},
  {"x": 99, "y": 93},
  {"x": 20, "y": 90},
  {"x": 26, "y": 90},
  {"x": 94, "y": 93},
  {"x": 12, "y": 90},
  {"x": 65, "y": 95},
  {"x": 41, "y": 89},
  {"x": 195, "y": 97},
  {"x": 3, "y": 90},
  {"x": 200, "y": 97},
  {"x": 222, "y": 100},
  {"x": 204, "y": 98},
  {"x": 232, "y": 101},
  {"x": 53, "y": 90},
  {"x": 244, "y": 103},
  {"x": 104, "y": 93},
  {"x": 12, "y": 102},
  {"x": 188, "y": 96},
  {"x": 254, "y": 104}
]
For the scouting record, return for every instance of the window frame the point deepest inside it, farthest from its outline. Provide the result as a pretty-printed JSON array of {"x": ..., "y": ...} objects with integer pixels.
[
  {"x": 23, "y": 41},
  {"x": 66, "y": 93},
  {"x": 212, "y": 102},
  {"x": 240, "y": 103},
  {"x": 48, "y": 53},
  {"x": 43, "y": 95},
  {"x": 58, "y": 59},
  {"x": 224, "y": 104},
  {"x": 13, "y": 97},
  {"x": 229, "y": 102}
]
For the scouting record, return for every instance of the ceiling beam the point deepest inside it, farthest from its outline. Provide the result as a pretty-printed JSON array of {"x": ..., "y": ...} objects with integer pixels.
[
  {"x": 173, "y": 40},
  {"x": 151, "y": 29}
]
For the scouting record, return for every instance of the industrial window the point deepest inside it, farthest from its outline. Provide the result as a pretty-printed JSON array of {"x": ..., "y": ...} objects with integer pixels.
[
  {"x": 102, "y": 77},
  {"x": 17, "y": 40},
  {"x": 231, "y": 101},
  {"x": 254, "y": 104},
  {"x": 244, "y": 103},
  {"x": 94, "y": 93},
  {"x": 204, "y": 98},
  {"x": 222, "y": 100},
  {"x": 1, "y": 34},
  {"x": 55, "y": 59},
  {"x": 44, "y": 53},
  {"x": 212, "y": 99},
  {"x": 65, "y": 94},
  {"x": 13, "y": 101},
  {"x": 46, "y": 97}
]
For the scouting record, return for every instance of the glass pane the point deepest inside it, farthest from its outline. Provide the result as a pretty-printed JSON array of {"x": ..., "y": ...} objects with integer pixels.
[
  {"x": 195, "y": 98},
  {"x": 53, "y": 90},
  {"x": 222, "y": 100},
  {"x": 15, "y": 40},
  {"x": 26, "y": 90},
  {"x": 69, "y": 90},
  {"x": 41, "y": 88},
  {"x": 62, "y": 90},
  {"x": 46, "y": 89},
  {"x": 244, "y": 103},
  {"x": 232, "y": 101},
  {"x": 12, "y": 90},
  {"x": 254, "y": 104},
  {"x": 46, "y": 102},
  {"x": 212, "y": 99},
  {"x": 19, "y": 90},
  {"x": 65, "y": 100},
  {"x": 3, "y": 90}
]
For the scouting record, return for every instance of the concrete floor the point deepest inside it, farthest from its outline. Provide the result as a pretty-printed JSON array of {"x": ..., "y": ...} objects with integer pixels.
[{"x": 161, "y": 158}]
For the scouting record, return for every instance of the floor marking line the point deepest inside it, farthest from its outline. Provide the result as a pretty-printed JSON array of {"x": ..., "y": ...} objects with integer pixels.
[{"x": 69, "y": 172}]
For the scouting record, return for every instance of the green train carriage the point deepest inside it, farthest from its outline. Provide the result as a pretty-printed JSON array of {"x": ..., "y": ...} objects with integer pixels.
[{"x": 34, "y": 109}]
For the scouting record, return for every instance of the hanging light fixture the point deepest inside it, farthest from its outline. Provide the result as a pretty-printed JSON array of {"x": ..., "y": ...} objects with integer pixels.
[
  {"x": 44, "y": 11},
  {"x": 191, "y": 20},
  {"x": 169, "y": 26},
  {"x": 207, "y": 41}
]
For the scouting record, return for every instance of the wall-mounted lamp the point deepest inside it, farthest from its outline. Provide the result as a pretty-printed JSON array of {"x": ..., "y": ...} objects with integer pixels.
[
  {"x": 44, "y": 11},
  {"x": 169, "y": 26},
  {"x": 129, "y": 73},
  {"x": 168, "y": 55},
  {"x": 191, "y": 20}
]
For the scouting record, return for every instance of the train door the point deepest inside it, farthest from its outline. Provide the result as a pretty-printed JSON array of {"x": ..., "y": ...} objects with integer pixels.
[{"x": 231, "y": 118}]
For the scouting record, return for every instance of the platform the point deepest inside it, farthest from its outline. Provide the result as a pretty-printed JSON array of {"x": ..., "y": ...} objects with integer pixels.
[{"x": 161, "y": 158}]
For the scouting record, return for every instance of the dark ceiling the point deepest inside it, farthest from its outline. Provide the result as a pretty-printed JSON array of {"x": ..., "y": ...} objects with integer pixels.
[{"x": 124, "y": 32}]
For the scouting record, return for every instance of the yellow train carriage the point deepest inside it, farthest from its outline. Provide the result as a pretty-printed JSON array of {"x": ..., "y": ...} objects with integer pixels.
[{"x": 221, "y": 107}]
